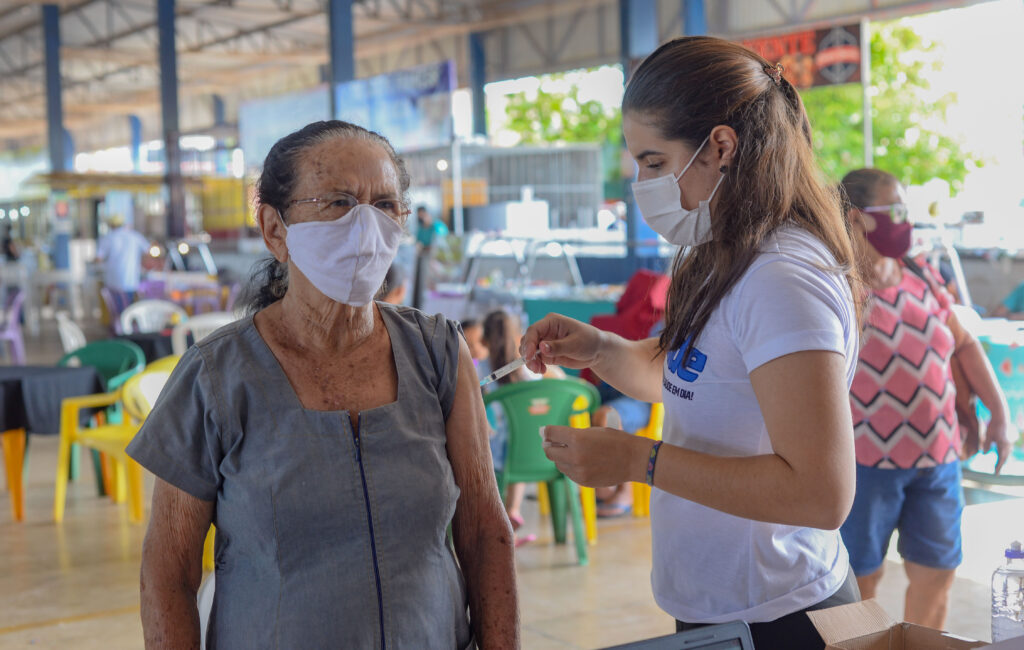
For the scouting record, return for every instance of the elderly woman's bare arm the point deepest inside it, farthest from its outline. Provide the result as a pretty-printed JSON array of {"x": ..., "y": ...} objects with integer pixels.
[
  {"x": 172, "y": 567},
  {"x": 483, "y": 536}
]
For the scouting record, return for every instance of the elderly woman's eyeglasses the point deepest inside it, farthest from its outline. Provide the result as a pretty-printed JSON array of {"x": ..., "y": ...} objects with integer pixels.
[
  {"x": 335, "y": 205},
  {"x": 896, "y": 212}
]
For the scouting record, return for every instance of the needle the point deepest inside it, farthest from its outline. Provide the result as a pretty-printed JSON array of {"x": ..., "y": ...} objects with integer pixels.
[{"x": 502, "y": 371}]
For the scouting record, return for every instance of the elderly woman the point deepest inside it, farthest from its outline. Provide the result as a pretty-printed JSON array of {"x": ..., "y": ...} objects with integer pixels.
[{"x": 331, "y": 439}]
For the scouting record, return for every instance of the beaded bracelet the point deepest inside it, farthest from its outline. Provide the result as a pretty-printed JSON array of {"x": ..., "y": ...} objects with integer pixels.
[{"x": 651, "y": 461}]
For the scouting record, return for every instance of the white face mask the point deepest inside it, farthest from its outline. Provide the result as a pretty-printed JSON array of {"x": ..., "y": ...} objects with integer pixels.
[
  {"x": 346, "y": 259},
  {"x": 660, "y": 201}
]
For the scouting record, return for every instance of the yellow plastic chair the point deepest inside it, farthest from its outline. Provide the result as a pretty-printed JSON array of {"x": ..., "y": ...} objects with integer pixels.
[
  {"x": 137, "y": 395},
  {"x": 167, "y": 363},
  {"x": 208, "y": 550},
  {"x": 588, "y": 497},
  {"x": 109, "y": 467},
  {"x": 642, "y": 491}
]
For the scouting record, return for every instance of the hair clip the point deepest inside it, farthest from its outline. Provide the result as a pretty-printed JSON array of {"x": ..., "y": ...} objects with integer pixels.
[{"x": 775, "y": 72}]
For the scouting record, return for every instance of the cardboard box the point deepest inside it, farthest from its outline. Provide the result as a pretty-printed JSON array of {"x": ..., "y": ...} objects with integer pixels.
[{"x": 866, "y": 626}]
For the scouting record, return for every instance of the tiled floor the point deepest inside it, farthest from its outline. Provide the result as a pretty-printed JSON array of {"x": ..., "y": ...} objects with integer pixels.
[{"x": 75, "y": 585}]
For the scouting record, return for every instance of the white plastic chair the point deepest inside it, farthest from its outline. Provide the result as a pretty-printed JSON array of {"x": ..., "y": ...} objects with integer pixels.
[
  {"x": 71, "y": 335},
  {"x": 151, "y": 315},
  {"x": 151, "y": 383},
  {"x": 201, "y": 326},
  {"x": 204, "y": 602}
]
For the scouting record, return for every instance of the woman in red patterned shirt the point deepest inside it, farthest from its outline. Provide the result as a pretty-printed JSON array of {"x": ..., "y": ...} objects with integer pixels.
[{"x": 903, "y": 403}]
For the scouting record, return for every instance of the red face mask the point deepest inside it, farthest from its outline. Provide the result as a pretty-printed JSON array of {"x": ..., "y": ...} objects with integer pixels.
[{"x": 893, "y": 234}]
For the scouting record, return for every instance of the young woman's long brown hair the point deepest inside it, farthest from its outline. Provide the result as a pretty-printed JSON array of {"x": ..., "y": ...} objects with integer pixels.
[{"x": 684, "y": 89}]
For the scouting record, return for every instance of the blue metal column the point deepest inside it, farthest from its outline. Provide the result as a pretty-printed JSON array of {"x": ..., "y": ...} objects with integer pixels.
[
  {"x": 69, "y": 151},
  {"x": 54, "y": 106},
  {"x": 695, "y": 19},
  {"x": 638, "y": 28},
  {"x": 477, "y": 79},
  {"x": 135, "y": 128},
  {"x": 169, "y": 114},
  {"x": 63, "y": 226},
  {"x": 58, "y": 138},
  {"x": 341, "y": 45},
  {"x": 638, "y": 37}
]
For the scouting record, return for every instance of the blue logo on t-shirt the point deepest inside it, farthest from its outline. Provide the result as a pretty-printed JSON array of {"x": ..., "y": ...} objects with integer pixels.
[{"x": 694, "y": 363}]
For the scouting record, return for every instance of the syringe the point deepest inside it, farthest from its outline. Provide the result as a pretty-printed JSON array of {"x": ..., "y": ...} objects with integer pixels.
[{"x": 502, "y": 371}]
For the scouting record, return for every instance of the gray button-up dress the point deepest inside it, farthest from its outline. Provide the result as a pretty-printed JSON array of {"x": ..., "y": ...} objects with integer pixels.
[{"x": 326, "y": 537}]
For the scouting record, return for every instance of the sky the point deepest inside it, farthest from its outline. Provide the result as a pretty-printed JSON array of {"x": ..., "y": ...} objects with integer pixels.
[{"x": 984, "y": 66}]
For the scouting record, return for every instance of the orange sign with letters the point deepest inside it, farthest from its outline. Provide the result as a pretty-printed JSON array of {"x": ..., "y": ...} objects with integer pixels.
[{"x": 814, "y": 57}]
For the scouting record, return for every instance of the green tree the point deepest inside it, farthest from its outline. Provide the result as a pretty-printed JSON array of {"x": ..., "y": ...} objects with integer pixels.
[
  {"x": 562, "y": 117},
  {"x": 907, "y": 117}
]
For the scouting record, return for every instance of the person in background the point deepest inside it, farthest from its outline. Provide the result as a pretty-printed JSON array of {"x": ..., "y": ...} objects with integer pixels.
[
  {"x": 338, "y": 444},
  {"x": 473, "y": 330},
  {"x": 1012, "y": 306},
  {"x": 756, "y": 470},
  {"x": 501, "y": 334},
  {"x": 393, "y": 290},
  {"x": 948, "y": 276},
  {"x": 10, "y": 247},
  {"x": 428, "y": 229},
  {"x": 428, "y": 232},
  {"x": 121, "y": 251},
  {"x": 903, "y": 402}
]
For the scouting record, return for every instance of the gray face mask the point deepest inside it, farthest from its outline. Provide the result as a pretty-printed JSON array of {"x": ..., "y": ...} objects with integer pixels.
[{"x": 660, "y": 203}]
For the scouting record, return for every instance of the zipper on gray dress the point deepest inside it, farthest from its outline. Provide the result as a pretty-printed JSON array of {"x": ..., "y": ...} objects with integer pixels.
[{"x": 373, "y": 542}]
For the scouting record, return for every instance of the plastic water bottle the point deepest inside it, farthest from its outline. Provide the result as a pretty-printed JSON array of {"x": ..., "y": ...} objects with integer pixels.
[{"x": 1008, "y": 596}]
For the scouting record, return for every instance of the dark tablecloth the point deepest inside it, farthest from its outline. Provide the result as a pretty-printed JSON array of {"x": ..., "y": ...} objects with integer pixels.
[
  {"x": 155, "y": 345},
  {"x": 30, "y": 396}
]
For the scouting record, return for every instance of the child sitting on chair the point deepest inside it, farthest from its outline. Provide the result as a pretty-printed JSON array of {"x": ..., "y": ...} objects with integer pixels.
[{"x": 501, "y": 335}]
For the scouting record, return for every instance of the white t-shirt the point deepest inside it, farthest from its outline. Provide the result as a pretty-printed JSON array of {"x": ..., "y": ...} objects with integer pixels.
[{"x": 709, "y": 566}]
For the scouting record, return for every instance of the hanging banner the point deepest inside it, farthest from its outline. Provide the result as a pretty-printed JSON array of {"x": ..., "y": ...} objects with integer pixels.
[
  {"x": 412, "y": 108},
  {"x": 815, "y": 57},
  {"x": 264, "y": 121}
]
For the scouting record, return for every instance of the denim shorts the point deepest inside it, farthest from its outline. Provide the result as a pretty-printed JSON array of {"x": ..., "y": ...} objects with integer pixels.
[
  {"x": 498, "y": 434},
  {"x": 924, "y": 505},
  {"x": 633, "y": 413}
]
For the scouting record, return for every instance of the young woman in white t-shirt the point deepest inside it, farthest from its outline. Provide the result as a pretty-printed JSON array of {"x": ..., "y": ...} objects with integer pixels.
[{"x": 756, "y": 472}]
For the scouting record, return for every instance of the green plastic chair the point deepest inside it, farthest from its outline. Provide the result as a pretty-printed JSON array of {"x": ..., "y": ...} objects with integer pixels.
[
  {"x": 528, "y": 406},
  {"x": 115, "y": 361}
]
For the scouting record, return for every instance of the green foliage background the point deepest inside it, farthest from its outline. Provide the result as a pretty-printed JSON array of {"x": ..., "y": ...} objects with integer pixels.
[
  {"x": 561, "y": 117},
  {"x": 907, "y": 117}
]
